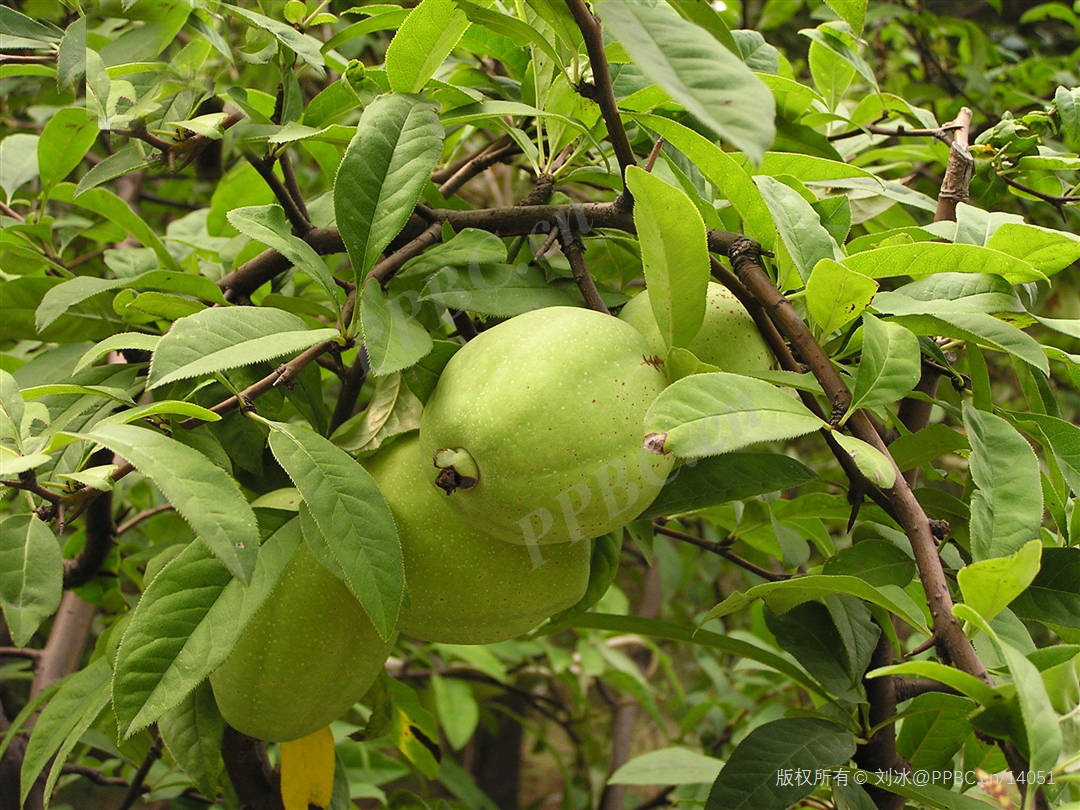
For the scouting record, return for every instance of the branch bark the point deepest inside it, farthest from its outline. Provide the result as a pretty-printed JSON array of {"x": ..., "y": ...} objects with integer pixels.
[{"x": 604, "y": 94}]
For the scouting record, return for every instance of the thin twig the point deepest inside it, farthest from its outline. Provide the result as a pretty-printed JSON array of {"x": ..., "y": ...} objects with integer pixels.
[
  {"x": 136, "y": 786},
  {"x": 297, "y": 218},
  {"x": 495, "y": 152},
  {"x": 721, "y": 548},
  {"x": 385, "y": 270},
  {"x": 292, "y": 185},
  {"x": 145, "y": 514},
  {"x": 20, "y": 652}
]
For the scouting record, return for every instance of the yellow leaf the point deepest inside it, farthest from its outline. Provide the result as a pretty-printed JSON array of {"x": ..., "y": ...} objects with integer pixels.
[{"x": 307, "y": 770}]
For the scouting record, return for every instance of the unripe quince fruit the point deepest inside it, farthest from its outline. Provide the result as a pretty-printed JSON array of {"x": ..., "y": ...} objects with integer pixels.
[
  {"x": 728, "y": 337},
  {"x": 464, "y": 586},
  {"x": 535, "y": 427},
  {"x": 307, "y": 655}
]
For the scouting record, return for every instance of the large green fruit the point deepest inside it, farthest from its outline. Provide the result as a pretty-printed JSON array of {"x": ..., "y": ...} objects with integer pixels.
[
  {"x": 464, "y": 586},
  {"x": 307, "y": 655},
  {"x": 535, "y": 427},
  {"x": 728, "y": 337}
]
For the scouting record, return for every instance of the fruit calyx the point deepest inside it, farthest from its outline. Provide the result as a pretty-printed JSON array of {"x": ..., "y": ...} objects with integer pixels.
[{"x": 457, "y": 470}]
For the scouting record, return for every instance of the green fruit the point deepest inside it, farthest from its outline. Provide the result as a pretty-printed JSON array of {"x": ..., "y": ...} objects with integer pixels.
[
  {"x": 535, "y": 427},
  {"x": 464, "y": 586},
  {"x": 728, "y": 337},
  {"x": 307, "y": 655}
]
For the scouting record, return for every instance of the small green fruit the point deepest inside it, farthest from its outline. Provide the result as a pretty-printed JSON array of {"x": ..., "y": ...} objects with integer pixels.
[
  {"x": 307, "y": 656},
  {"x": 464, "y": 586},
  {"x": 728, "y": 337},
  {"x": 535, "y": 427}
]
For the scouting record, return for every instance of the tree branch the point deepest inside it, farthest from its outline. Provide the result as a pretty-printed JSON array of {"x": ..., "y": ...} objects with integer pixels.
[
  {"x": 100, "y": 535},
  {"x": 296, "y": 216},
  {"x": 575, "y": 254},
  {"x": 721, "y": 548},
  {"x": 604, "y": 94},
  {"x": 498, "y": 150},
  {"x": 254, "y": 780},
  {"x": 954, "y": 645}
]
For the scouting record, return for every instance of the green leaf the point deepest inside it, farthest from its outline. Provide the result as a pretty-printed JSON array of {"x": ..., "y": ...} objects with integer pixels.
[
  {"x": 1007, "y": 505},
  {"x": 806, "y": 239},
  {"x": 962, "y": 682},
  {"x": 173, "y": 407},
  {"x": 510, "y": 27},
  {"x": 185, "y": 626},
  {"x": 192, "y": 731},
  {"x": 75, "y": 706},
  {"x": 877, "y": 562},
  {"x": 1061, "y": 438},
  {"x": 267, "y": 224},
  {"x": 728, "y": 477},
  {"x": 65, "y": 140},
  {"x": 697, "y": 71},
  {"x": 890, "y": 366},
  {"x": 422, "y": 43},
  {"x": 989, "y": 585},
  {"x": 930, "y": 443},
  {"x": 674, "y": 253},
  {"x": 500, "y": 290},
  {"x": 113, "y": 343},
  {"x": 953, "y": 320},
  {"x": 16, "y": 24},
  {"x": 749, "y": 780},
  {"x": 394, "y": 340},
  {"x": 851, "y": 11},
  {"x": 1054, "y": 596},
  {"x": 927, "y": 258},
  {"x": 833, "y": 641},
  {"x": 18, "y": 162},
  {"x": 723, "y": 171},
  {"x": 222, "y": 338},
  {"x": 397, "y": 143},
  {"x": 672, "y": 631},
  {"x": 782, "y": 596},
  {"x": 113, "y": 208},
  {"x": 31, "y": 575},
  {"x": 204, "y": 494},
  {"x": 392, "y": 410},
  {"x": 12, "y": 463},
  {"x": 457, "y": 709},
  {"x": 1045, "y": 249},
  {"x": 871, "y": 462},
  {"x": 353, "y": 518},
  {"x": 63, "y": 296},
  {"x": 710, "y": 414},
  {"x": 835, "y": 295},
  {"x": 12, "y": 408},
  {"x": 413, "y": 728},
  {"x": 468, "y": 247},
  {"x": 1040, "y": 721},
  {"x": 305, "y": 46},
  {"x": 121, "y": 162},
  {"x": 668, "y": 766},
  {"x": 934, "y": 730}
]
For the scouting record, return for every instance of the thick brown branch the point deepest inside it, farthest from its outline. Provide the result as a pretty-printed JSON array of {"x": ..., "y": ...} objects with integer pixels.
[
  {"x": 905, "y": 508},
  {"x": 254, "y": 780},
  {"x": 604, "y": 94},
  {"x": 958, "y": 170}
]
